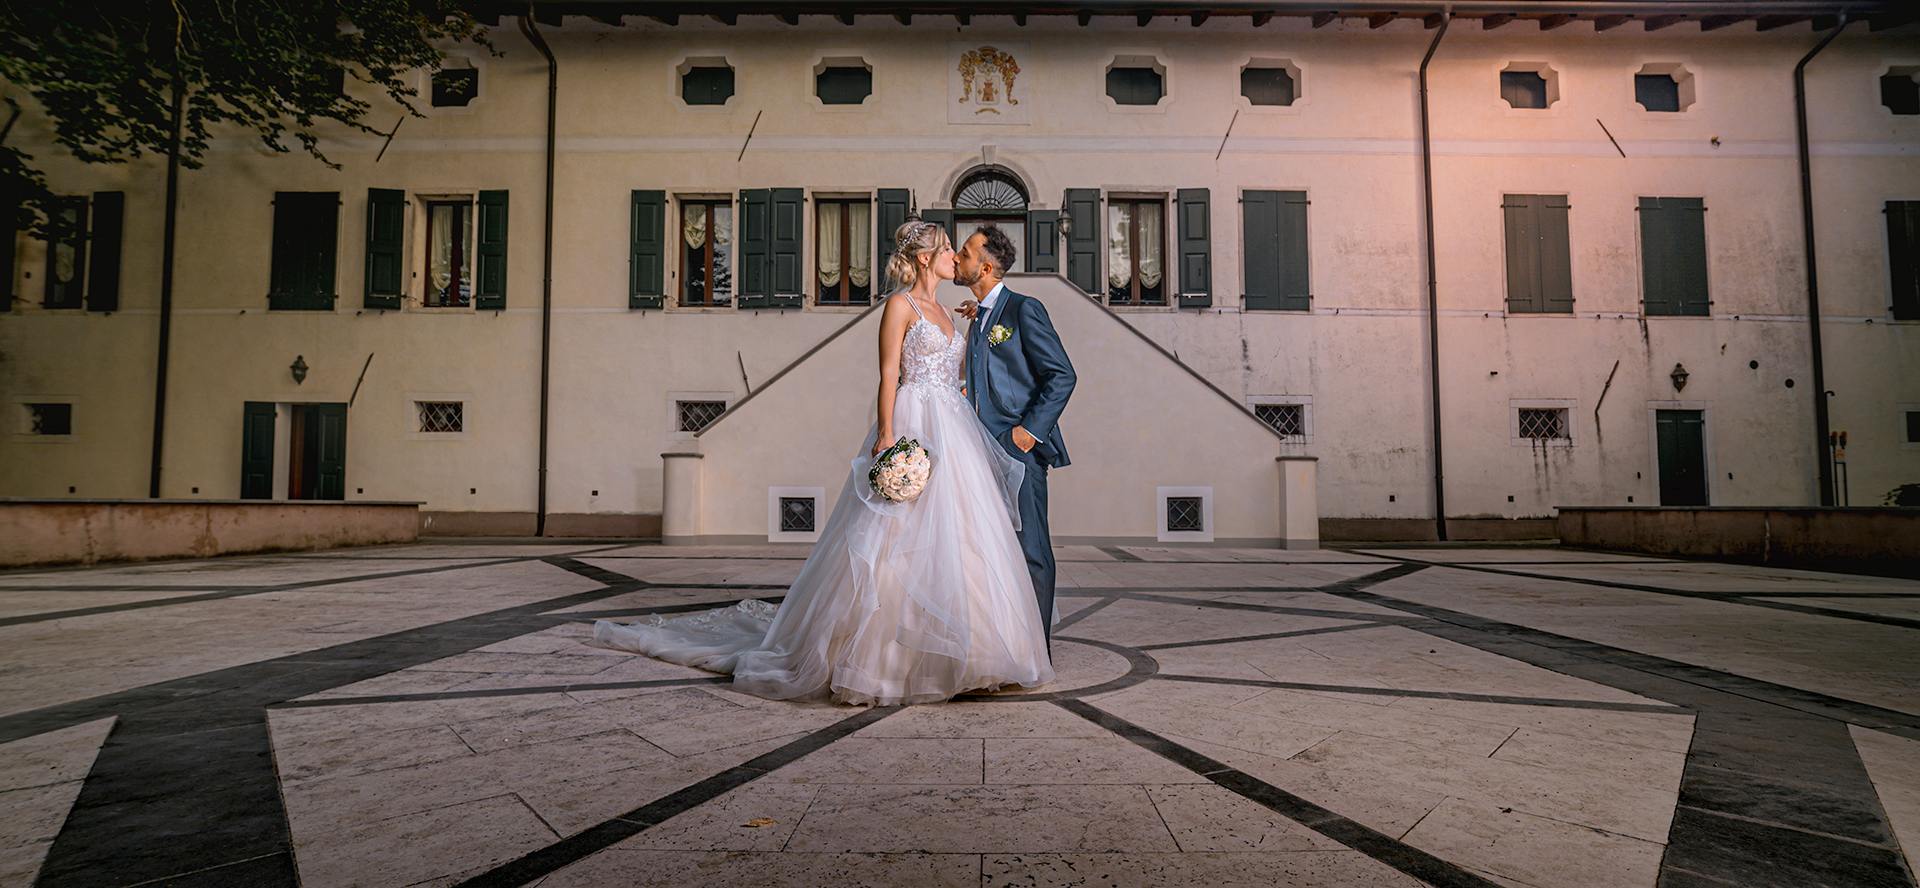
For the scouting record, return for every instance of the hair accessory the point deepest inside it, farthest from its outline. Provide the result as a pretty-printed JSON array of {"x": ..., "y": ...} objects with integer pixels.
[{"x": 912, "y": 233}]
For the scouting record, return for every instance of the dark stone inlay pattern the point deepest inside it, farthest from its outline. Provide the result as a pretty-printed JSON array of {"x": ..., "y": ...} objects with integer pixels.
[
  {"x": 1084, "y": 612},
  {"x": 1297, "y": 633},
  {"x": 1432, "y": 695},
  {"x": 1392, "y": 852},
  {"x": 502, "y": 692}
]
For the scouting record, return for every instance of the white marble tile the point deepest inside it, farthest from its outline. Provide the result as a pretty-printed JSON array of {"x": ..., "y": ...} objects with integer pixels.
[
  {"x": 732, "y": 869},
  {"x": 1893, "y": 763},
  {"x": 1079, "y": 762},
  {"x": 412, "y": 848},
  {"x": 981, "y": 819},
  {"x": 893, "y": 761},
  {"x": 1282, "y": 869},
  {"x": 1535, "y": 850},
  {"x": 1206, "y": 817}
]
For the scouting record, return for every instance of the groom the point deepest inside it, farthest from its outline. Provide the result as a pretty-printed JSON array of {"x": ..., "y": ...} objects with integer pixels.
[{"x": 1019, "y": 379}]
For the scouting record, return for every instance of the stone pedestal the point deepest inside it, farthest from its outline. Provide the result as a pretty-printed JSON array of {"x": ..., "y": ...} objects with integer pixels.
[
  {"x": 1299, "y": 502},
  {"x": 680, "y": 495}
]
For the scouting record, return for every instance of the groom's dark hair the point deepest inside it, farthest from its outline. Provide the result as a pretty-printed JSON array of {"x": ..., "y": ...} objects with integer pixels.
[{"x": 1000, "y": 247}]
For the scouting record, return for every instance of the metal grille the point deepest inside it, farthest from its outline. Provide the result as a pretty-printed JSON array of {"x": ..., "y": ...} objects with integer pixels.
[
  {"x": 50, "y": 419},
  {"x": 442, "y": 416},
  {"x": 796, "y": 514},
  {"x": 1183, "y": 514},
  {"x": 1543, "y": 422},
  {"x": 1287, "y": 419},
  {"x": 989, "y": 190},
  {"x": 695, "y": 415}
]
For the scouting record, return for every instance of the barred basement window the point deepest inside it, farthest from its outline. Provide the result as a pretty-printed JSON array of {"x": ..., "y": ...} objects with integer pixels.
[
  {"x": 796, "y": 514},
  {"x": 695, "y": 415},
  {"x": 442, "y": 416},
  {"x": 1183, "y": 514},
  {"x": 1543, "y": 422},
  {"x": 49, "y": 419},
  {"x": 1287, "y": 419}
]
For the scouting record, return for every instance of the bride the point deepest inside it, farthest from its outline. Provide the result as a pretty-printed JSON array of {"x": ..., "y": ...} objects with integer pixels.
[{"x": 899, "y": 602}]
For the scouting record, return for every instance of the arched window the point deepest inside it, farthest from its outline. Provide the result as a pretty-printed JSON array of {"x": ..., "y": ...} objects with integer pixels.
[{"x": 990, "y": 192}]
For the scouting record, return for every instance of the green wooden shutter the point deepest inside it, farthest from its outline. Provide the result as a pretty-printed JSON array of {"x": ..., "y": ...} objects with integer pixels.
[
  {"x": 647, "y": 252},
  {"x": 1043, "y": 241},
  {"x": 73, "y": 235},
  {"x": 1556, "y": 253},
  {"x": 1673, "y": 248},
  {"x": 895, "y": 204},
  {"x": 1903, "y": 257},
  {"x": 491, "y": 253},
  {"x": 789, "y": 213},
  {"x": 256, "y": 450},
  {"x": 386, "y": 223},
  {"x": 942, "y": 218},
  {"x": 306, "y": 234},
  {"x": 1295, "y": 283},
  {"x": 1194, "y": 216},
  {"x": 1083, "y": 244},
  {"x": 1260, "y": 254},
  {"x": 10, "y": 207},
  {"x": 332, "y": 457},
  {"x": 755, "y": 217},
  {"x": 103, "y": 268}
]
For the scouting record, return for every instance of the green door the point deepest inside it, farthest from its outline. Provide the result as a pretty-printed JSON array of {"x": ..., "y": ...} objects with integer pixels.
[
  {"x": 256, "y": 451},
  {"x": 330, "y": 451},
  {"x": 1683, "y": 457}
]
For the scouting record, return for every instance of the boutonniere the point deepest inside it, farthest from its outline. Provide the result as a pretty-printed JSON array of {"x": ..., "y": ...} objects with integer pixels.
[{"x": 998, "y": 335}]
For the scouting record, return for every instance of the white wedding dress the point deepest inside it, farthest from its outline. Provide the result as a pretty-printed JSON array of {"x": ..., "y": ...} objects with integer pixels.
[{"x": 899, "y": 602}]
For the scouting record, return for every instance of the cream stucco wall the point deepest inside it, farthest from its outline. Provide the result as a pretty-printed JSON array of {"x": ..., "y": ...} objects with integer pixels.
[{"x": 1350, "y": 142}]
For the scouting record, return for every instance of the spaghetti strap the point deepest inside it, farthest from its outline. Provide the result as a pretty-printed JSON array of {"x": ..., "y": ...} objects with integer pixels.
[{"x": 913, "y": 305}]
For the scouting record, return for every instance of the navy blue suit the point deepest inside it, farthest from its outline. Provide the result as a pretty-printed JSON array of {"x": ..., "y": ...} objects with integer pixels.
[{"x": 1024, "y": 381}]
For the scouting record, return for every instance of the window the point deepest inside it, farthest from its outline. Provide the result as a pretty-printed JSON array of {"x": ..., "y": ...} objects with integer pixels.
[
  {"x": 1287, "y": 419},
  {"x": 993, "y": 196},
  {"x": 1900, "y": 90},
  {"x": 1913, "y": 426},
  {"x": 706, "y": 84},
  {"x": 1548, "y": 423},
  {"x": 1530, "y": 85},
  {"x": 706, "y": 228},
  {"x": 844, "y": 232},
  {"x": 449, "y": 244},
  {"x": 1264, "y": 82},
  {"x": 1136, "y": 251},
  {"x": 1183, "y": 515},
  {"x": 49, "y": 419},
  {"x": 456, "y": 84},
  {"x": 796, "y": 514},
  {"x": 305, "y": 235},
  {"x": 696, "y": 415},
  {"x": 1539, "y": 261},
  {"x": 839, "y": 82},
  {"x": 1274, "y": 224},
  {"x": 442, "y": 416},
  {"x": 1663, "y": 86},
  {"x": 1903, "y": 258},
  {"x": 67, "y": 254},
  {"x": 1136, "y": 80},
  {"x": 1673, "y": 255},
  {"x": 103, "y": 264}
]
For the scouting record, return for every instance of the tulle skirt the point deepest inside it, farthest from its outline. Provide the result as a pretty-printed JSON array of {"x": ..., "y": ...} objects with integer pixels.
[{"x": 898, "y": 602}]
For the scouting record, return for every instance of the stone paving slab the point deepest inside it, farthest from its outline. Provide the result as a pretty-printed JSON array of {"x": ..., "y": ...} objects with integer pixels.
[{"x": 1452, "y": 716}]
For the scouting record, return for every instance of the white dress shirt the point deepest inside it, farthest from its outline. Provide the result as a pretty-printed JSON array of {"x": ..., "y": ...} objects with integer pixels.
[{"x": 993, "y": 296}]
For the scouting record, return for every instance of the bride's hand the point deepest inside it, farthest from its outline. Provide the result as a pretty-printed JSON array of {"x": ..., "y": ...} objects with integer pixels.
[{"x": 884, "y": 441}]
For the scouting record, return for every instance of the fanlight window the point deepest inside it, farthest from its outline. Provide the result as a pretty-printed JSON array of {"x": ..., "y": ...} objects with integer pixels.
[{"x": 990, "y": 191}]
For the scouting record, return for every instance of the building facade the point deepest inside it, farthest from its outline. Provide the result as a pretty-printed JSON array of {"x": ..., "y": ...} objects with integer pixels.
[{"x": 1616, "y": 234}]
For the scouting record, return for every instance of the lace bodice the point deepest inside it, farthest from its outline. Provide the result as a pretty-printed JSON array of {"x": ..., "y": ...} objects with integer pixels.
[{"x": 930, "y": 359}]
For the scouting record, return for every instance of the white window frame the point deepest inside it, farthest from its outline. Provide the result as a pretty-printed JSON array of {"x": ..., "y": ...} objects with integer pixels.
[
  {"x": 1287, "y": 60},
  {"x": 1138, "y": 57},
  {"x": 1900, "y": 426},
  {"x": 834, "y": 58},
  {"x": 1204, "y": 535},
  {"x": 23, "y": 419},
  {"x": 412, "y": 416},
  {"x": 1556, "y": 97},
  {"x": 475, "y": 60},
  {"x": 673, "y": 410},
  {"x": 1304, "y": 402},
  {"x": 1886, "y": 67},
  {"x": 418, "y": 259},
  {"x": 1571, "y": 405},
  {"x": 774, "y": 534},
  {"x": 1684, "y": 73},
  {"x": 701, "y": 58}
]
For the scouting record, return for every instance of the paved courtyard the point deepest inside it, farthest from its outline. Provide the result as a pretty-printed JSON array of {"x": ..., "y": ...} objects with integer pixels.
[{"x": 429, "y": 715}]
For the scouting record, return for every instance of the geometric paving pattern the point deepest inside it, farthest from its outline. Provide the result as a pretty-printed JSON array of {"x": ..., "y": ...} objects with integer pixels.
[{"x": 430, "y": 715}]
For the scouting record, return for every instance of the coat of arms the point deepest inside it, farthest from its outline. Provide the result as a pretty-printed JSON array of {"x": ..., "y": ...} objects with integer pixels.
[
  {"x": 993, "y": 72},
  {"x": 984, "y": 83}
]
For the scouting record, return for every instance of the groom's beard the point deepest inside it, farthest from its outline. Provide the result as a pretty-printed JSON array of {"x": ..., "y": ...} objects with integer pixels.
[{"x": 964, "y": 279}]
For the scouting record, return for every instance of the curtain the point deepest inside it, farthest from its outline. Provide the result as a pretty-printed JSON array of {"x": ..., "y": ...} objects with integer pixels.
[
  {"x": 695, "y": 228},
  {"x": 860, "y": 233},
  {"x": 1151, "y": 243},
  {"x": 829, "y": 243},
  {"x": 1119, "y": 262}
]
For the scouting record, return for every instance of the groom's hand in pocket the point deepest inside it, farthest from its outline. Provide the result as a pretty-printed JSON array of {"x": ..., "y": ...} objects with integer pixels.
[{"x": 1024, "y": 439}]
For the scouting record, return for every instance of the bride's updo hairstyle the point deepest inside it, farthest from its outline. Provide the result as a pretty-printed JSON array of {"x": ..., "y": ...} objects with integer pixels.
[{"x": 912, "y": 241}]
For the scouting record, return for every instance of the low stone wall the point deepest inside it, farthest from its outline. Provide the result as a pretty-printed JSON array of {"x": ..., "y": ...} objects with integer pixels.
[
  {"x": 1866, "y": 538},
  {"x": 1477, "y": 530},
  {"x": 45, "y": 532}
]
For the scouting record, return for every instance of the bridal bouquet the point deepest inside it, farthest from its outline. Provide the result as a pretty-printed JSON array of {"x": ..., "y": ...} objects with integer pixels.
[{"x": 900, "y": 472}]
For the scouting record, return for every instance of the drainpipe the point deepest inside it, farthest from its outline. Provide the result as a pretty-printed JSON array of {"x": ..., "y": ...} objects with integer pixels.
[
  {"x": 1433, "y": 283},
  {"x": 532, "y": 32},
  {"x": 1820, "y": 419},
  {"x": 170, "y": 227}
]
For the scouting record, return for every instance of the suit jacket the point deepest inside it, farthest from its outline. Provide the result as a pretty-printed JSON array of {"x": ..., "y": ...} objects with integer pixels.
[{"x": 1024, "y": 381}]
